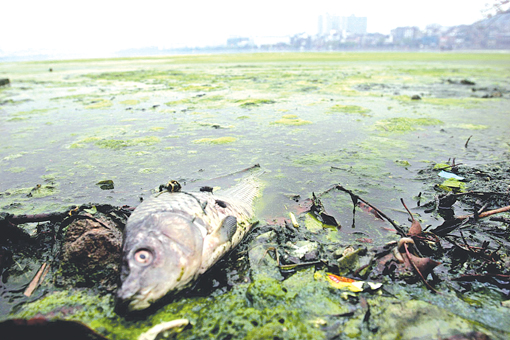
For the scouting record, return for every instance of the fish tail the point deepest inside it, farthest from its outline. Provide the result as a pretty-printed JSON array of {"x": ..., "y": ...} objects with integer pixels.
[{"x": 247, "y": 189}]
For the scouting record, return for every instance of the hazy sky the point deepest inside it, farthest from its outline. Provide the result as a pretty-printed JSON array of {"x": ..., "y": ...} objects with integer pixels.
[{"x": 104, "y": 26}]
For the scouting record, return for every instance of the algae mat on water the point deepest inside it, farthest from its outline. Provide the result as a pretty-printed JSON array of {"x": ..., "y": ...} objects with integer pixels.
[{"x": 310, "y": 120}]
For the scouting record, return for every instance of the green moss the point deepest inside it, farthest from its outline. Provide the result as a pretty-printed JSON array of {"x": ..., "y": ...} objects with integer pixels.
[
  {"x": 220, "y": 140},
  {"x": 353, "y": 109},
  {"x": 404, "y": 124}
]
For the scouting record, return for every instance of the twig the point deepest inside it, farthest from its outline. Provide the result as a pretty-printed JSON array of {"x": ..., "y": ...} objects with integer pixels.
[
  {"x": 485, "y": 214},
  {"x": 356, "y": 197},
  {"x": 153, "y": 333},
  {"x": 19, "y": 219},
  {"x": 450, "y": 225},
  {"x": 465, "y": 145},
  {"x": 36, "y": 281},
  {"x": 465, "y": 242}
]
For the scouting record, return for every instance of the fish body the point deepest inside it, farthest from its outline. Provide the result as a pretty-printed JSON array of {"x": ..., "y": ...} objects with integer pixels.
[{"x": 173, "y": 237}]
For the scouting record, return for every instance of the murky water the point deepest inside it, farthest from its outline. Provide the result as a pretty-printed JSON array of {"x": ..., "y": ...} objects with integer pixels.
[{"x": 311, "y": 121}]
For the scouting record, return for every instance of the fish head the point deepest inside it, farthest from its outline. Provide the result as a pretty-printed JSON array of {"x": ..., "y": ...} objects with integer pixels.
[{"x": 162, "y": 252}]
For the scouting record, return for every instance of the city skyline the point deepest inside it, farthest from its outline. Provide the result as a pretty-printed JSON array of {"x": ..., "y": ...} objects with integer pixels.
[{"x": 98, "y": 28}]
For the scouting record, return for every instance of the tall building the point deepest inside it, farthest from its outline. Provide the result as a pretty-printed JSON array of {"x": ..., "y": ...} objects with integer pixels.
[
  {"x": 351, "y": 24},
  {"x": 356, "y": 25}
]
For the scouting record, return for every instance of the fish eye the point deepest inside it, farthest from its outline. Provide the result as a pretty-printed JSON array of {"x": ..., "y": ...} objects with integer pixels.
[{"x": 143, "y": 256}]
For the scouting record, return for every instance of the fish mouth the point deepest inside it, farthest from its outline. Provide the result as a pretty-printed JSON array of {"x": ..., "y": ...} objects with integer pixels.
[{"x": 131, "y": 301}]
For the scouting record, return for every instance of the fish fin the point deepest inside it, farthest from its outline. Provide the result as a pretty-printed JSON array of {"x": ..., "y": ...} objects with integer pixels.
[{"x": 227, "y": 229}]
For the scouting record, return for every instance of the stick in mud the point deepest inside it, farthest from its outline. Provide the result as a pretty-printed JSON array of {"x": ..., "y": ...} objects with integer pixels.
[{"x": 465, "y": 145}]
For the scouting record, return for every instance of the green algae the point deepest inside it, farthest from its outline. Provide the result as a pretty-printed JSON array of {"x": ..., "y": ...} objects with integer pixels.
[
  {"x": 291, "y": 120},
  {"x": 14, "y": 156},
  {"x": 405, "y": 124},
  {"x": 32, "y": 112},
  {"x": 462, "y": 102},
  {"x": 252, "y": 102},
  {"x": 220, "y": 140},
  {"x": 249, "y": 311},
  {"x": 402, "y": 162},
  {"x": 407, "y": 319},
  {"x": 116, "y": 144},
  {"x": 38, "y": 191},
  {"x": 472, "y": 126},
  {"x": 17, "y": 169},
  {"x": 351, "y": 109}
]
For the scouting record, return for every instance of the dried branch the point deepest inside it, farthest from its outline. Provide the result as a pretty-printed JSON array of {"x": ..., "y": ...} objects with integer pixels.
[
  {"x": 355, "y": 198},
  {"x": 38, "y": 278}
]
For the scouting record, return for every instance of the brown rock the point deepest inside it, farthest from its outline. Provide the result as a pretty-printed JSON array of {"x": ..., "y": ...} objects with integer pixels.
[{"x": 91, "y": 251}]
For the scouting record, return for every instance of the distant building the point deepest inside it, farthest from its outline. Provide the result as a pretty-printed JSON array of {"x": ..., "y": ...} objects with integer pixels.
[
  {"x": 271, "y": 40},
  {"x": 351, "y": 24},
  {"x": 355, "y": 25},
  {"x": 406, "y": 36},
  {"x": 239, "y": 42}
]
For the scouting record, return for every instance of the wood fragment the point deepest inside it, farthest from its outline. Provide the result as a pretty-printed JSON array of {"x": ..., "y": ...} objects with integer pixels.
[
  {"x": 485, "y": 214},
  {"x": 35, "y": 281},
  {"x": 466, "y": 145},
  {"x": 152, "y": 333}
]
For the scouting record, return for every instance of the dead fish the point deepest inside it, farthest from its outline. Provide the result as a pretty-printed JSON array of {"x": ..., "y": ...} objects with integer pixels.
[{"x": 173, "y": 237}]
